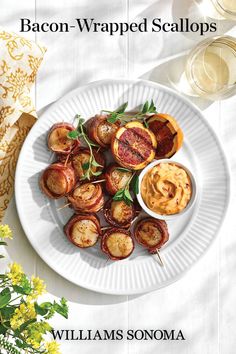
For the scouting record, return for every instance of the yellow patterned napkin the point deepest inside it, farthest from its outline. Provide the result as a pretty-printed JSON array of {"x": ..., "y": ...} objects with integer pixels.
[{"x": 19, "y": 63}]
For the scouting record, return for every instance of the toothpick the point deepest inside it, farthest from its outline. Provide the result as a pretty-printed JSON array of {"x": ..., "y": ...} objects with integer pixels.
[
  {"x": 64, "y": 206},
  {"x": 132, "y": 222},
  {"x": 100, "y": 181},
  {"x": 105, "y": 227},
  {"x": 159, "y": 258},
  {"x": 67, "y": 158}
]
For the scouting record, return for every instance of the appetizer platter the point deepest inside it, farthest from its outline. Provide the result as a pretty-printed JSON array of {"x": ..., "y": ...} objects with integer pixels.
[{"x": 116, "y": 186}]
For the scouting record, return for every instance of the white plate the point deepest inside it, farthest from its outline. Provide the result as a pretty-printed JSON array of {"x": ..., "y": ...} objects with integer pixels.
[{"x": 190, "y": 234}]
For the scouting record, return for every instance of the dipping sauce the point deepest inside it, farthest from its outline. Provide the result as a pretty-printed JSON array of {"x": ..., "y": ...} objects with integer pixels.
[{"x": 166, "y": 188}]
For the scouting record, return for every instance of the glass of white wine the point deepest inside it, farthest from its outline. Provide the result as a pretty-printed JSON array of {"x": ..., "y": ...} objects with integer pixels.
[
  {"x": 218, "y": 9},
  {"x": 211, "y": 68}
]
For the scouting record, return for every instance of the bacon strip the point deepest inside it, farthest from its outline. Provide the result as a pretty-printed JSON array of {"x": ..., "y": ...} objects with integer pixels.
[
  {"x": 151, "y": 233},
  {"x": 83, "y": 230},
  {"x": 117, "y": 243},
  {"x": 57, "y": 180},
  {"x": 101, "y": 131},
  {"x": 87, "y": 197},
  {"x": 58, "y": 140},
  {"x": 118, "y": 213}
]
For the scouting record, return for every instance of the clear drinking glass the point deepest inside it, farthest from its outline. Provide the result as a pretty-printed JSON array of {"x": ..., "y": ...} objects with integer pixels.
[
  {"x": 211, "y": 68},
  {"x": 226, "y": 8},
  {"x": 218, "y": 9}
]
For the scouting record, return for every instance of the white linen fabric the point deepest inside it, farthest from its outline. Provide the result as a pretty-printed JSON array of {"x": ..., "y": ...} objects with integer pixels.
[{"x": 202, "y": 303}]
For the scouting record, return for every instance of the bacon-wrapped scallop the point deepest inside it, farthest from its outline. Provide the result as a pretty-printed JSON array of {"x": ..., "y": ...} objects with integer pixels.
[
  {"x": 151, "y": 233},
  {"x": 80, "y": 160},
  {"x": 87, "y": 198},
  {"x": 133, "y": 146},
  {"x": 168, "y": 134},
  {"x": 117, "y": 243},
  {"x": 118, "y": 213},
  {"x": 100, "y": 130},
  {"x": 58, "y": 140},
  {"x": 116, "y": 178},
  {"x": 83, "y": 230},
  {"x": 57, "y": 180}
]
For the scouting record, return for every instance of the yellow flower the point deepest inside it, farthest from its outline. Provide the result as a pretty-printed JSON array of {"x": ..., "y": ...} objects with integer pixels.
[
  {"x": 33, "y": 342},
  {"x": 34, "y": 333},
  {"x": 16, "y": 273},
  {"x": 52, "y": 348},
  {"x": 39, "y": 287},
  {"x": 5, "y": 231},
  {"x": 23, "y": 313}
]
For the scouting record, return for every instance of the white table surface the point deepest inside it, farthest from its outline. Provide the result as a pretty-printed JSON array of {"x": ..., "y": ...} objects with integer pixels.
[{"x": 202, "y": 303}]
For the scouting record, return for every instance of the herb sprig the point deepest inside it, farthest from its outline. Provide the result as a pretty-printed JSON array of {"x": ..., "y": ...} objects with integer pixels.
[
  {"x": 120, "y": 115},
  {"x": 80, "y": 132},
  {"x": 124, "y": 194}
]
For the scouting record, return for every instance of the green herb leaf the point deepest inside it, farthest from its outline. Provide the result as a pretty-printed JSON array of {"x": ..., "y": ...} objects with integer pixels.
[
  {"x": 152, "y": 108},
  {"x": 145, "y": 107},
  {"x": 2, "y": 243},
  {"x": 145, "y": 123},
  {"x": 96, "y": 173},
  {"x": 122, "y": 108},
  {"x": 119, "y": 193},
  {"x": 94, "y": 163},
  {"x": 148, "y": 108},
  {"x": 86, "y": 175},
  {"x": 20, "y": 290},
  {"x": 46, "y": 305},
  {"x": 127, "y": 195},
  {"x": 21, "y": 344},
  {"x": 3, "y": 329},
  {"x": 7, "y": 312},
  {"x": 135, "y": 184},
  {"x": 85, "y": 165},
  {"x": 26, "y": 324},
  {"x": 81, "y": 121},
  {"x": 113, "y": 118},
  {"x": 40, "y": 310},
  {"x": 61, "y": 308},
  {"x": 74, "y": 134},
  {"x": 5, "y": 297}
]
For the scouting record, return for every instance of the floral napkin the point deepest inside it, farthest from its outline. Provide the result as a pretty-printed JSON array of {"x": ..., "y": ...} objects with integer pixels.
[{"x": 20, "y": 59}]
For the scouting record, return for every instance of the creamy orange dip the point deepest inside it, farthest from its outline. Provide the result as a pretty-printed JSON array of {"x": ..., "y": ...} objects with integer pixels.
[{"x": 166, "y": 189}]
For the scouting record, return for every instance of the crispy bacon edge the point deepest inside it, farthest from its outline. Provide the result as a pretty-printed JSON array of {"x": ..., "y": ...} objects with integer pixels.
[
  {"x": 68, "y": 173},
  {"x": 70, "y": 127},
  {"x": 105, "y": 236},
  {"x": 78, "y": 217},
  {"x": 161, "y": 225}
]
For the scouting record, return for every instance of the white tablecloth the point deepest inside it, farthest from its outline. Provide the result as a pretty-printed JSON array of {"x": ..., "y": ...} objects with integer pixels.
[{"x": 202, "y": 303}]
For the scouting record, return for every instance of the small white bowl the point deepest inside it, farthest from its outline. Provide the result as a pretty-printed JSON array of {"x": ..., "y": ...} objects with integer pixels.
[{"x": 169, "y": 216}]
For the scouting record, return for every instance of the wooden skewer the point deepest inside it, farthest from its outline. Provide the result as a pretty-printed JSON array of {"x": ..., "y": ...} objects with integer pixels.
[
  {"x": 99, "y": 181},
  {"x": 159, "y": 258},
  {"x": 67, "y": 158},
  {"x": 64, "y": 206},
  {"x": 132, "y": 222},
  {"x": 105, "y": 227}
]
